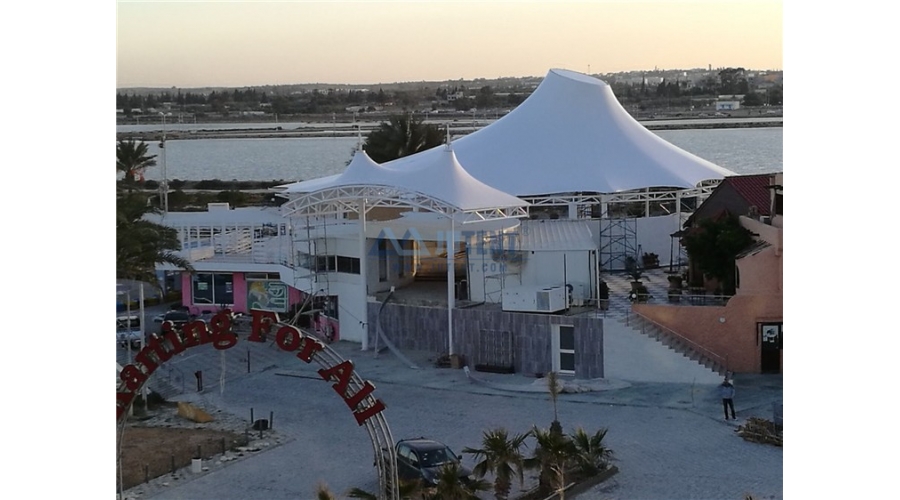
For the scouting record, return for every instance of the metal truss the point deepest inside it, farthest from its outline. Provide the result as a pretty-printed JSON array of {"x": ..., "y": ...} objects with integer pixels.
[
  {"x": 642, "y": 195},
  {"x": 344, "y": 199}
]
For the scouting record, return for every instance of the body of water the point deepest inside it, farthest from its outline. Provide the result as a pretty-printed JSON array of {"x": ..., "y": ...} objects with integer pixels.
[{"x": 741, "y": 150}]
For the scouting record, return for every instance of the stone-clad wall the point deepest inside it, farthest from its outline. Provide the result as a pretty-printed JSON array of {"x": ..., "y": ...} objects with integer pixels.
[{"x": 425, "y": 329}]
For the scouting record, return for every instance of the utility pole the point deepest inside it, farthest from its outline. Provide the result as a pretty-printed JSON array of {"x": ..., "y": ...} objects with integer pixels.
[{"x": 164, "y": 185}]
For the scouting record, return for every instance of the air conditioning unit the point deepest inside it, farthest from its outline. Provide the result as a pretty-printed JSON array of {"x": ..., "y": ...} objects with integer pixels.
[
  {"x": 535, "y": 299},
  {"x": 579, "y": 293}
]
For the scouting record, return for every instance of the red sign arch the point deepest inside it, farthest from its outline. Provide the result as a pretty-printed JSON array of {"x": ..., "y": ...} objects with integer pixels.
[{"x": 353, "y": 390}]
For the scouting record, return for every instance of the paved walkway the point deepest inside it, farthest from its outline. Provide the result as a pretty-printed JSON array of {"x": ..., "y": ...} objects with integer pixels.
[
  {"x": 664, "y": 417},
  {"x": 670, "y": 439}
]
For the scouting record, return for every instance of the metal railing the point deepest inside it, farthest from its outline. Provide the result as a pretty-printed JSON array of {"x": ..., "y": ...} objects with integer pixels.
[{"x": 720, "y": 361}]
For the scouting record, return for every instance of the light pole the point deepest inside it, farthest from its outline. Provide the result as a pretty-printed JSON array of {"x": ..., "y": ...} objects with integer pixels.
[{"x": 164, "y": 185}]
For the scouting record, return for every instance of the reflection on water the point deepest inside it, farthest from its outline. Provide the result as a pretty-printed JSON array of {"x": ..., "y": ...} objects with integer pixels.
[{"x": 744, "y": 151}]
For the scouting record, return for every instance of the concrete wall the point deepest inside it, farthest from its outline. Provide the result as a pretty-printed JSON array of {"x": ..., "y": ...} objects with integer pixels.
[
  {"x": 735, "y": 338},
  {"x": 479, "y": 334}
]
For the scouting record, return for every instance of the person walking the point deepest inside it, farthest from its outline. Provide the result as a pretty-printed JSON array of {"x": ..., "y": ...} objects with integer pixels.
[{"x": 726, "y": 391}]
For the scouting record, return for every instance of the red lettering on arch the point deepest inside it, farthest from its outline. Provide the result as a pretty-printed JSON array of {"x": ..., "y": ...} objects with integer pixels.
[
  {"x": 262, "y": 323},
  {"x": 375, "y": 409},
  {"x": 354, "y": 400},
  {"x": 343, "y": 372},
  {"x": 145, "y": 358},
  {"x": 132, "y": 377},
  {"x": 310, "y": 347},
  {"x": 288, "y": 338},
  {"x": 195, "y": 333},
  {"x": 123, "y": 399}
]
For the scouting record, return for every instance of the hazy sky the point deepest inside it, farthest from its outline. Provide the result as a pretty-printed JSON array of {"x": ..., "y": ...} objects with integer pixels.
[{"x": 195, "y": 44}]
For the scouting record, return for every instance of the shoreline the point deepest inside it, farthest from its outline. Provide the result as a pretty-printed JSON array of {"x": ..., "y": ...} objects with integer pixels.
[{"x": 277, "y": 132}]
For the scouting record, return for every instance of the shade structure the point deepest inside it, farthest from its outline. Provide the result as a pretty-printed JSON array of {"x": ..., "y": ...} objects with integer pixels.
[
  {"x": 438, "y": 177},
  {"x": 572, "y": 135}
]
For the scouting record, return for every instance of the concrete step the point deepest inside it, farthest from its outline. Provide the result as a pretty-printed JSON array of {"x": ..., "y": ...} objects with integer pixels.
[{"x": 631, "y": 356}]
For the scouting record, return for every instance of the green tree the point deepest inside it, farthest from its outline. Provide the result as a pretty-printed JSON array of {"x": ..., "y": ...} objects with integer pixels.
[
  {"x": 500, "y": 455},
  {"x": 713, "y": 244},
  {"x": 753, "y": 99},
  {"x": 142, "y": 244},
  {"x": 324, "y": 493},
  {"x": 450, "y": 486},
  {"x": 408, "y": 490},
  {"x": 591, "y": 455},
  {"x": 132, "y": 159},
  {"x": 552, "y": 454},
  {"x": 400, "y": 136},
  {"x": 553, "y": 386}
]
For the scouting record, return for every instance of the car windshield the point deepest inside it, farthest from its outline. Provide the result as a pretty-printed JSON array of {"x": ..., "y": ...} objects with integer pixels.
[
  {"x": 176, "y": 316},
  {"x": 436, "y": 457},
  {"x": 122, "y": 322}
]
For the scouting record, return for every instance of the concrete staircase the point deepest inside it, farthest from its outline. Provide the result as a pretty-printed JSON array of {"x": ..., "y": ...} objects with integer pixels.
[
  {"x": 677, "y": 344},
  {"x": 638, "y": 350}
]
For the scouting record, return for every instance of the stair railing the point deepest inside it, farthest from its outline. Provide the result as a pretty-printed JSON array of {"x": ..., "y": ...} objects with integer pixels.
[{"x": 721, "y": 361}]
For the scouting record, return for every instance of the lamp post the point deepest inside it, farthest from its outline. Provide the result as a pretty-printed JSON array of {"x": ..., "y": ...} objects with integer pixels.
[
  {"x": 164, "y": 185},
  {"x": 127, "y": 294}
]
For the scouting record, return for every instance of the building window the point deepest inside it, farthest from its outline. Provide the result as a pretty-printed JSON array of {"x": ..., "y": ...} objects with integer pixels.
[
  {"x": 349, "y": 265},
  {"x": 405, "y": 259},
  {"x": 213, "y": 288},
  {"x": 564, "y": 349},
  {"x": 382, "y": 260}
]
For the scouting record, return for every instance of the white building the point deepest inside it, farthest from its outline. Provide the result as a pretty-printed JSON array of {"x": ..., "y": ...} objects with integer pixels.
[{"x": 561, "y": 189}]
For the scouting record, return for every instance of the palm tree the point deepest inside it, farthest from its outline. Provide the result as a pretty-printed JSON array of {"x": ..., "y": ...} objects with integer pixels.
[
  {"x": 323, "y": 493},
  {"x": 591, "y": 455},
  {"x": 450, "y": 486},
  {"x": 142, "y": 244},
  {"x": 501, "y": 456},
  {"x": 400, "y": 136},
  {"x": 132, "y": 159},
  {"x": 553, "y": 387},
  {"x": 552, "y": 455},
  {"x": 408, "y": 490}
]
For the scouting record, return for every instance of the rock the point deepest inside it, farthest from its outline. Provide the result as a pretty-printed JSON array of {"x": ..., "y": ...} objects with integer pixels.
[{"x": 191, "y": 412}]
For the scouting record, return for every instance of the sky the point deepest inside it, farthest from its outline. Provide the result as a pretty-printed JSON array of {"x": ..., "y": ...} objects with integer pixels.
[
  {"x": 236, "y": 44},
  {"x": 60, "y": 70}
]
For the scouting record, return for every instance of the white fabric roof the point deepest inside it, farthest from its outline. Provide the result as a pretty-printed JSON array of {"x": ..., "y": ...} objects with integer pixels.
[
  {"x": 543, "y": 235},
  {"x": 571, "y": 135},
  {"x": 438, "y": 176}
]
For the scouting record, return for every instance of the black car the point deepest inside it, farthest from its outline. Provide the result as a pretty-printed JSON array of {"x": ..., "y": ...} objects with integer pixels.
[
  {"x": 178, "y": 319},
  {"x": 422, "y": 458}
]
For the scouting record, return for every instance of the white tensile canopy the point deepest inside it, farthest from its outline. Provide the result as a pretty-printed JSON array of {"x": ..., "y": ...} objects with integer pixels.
[
  {"x": 438, "y": 177},
  {"x": 572, "y": 135}
]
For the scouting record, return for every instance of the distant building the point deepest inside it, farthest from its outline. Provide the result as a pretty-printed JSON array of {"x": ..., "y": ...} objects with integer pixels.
[{"x": 727, "y": 105}]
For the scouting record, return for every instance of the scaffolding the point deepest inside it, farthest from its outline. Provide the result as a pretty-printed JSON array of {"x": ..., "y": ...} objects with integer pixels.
[
  {"x": 618, "y": 241},
  {"x": 508, "y": 256}
]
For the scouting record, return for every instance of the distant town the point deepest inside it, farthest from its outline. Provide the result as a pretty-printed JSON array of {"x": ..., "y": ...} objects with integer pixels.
[{"x": 645, "y": 94}]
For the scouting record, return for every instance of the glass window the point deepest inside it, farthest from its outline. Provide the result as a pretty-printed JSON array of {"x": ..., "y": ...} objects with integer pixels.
[
  {"x": 203, "y": 288},
  {"x": 223, "y": 289},
  {"x": 567, "y": 338},
  {"x": 209, "y": 288},
  {"x": 382, "y": 260},
  {"x": 348, "y": 265},
  {"x": 567, "y": 362}
]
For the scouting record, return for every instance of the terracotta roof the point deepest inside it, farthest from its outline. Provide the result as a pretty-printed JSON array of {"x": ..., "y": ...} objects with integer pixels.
[{"x": 754, "y": 189}]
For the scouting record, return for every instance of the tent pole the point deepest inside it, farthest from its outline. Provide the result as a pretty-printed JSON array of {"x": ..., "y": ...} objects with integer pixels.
[
  {"x": 451, "y": 278},
  {"x": 363, "y": 272}
]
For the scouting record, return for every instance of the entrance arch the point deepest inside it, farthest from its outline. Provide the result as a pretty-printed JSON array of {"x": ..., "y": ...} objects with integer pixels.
[{"x": 353, "y": 390}]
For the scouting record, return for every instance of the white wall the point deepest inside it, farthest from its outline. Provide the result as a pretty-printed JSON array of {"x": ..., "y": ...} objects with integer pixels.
[
  {"x": 545, "y": 268},
  {"x": 487, "y": 277},
  {"x": 653, "y": 236}
]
